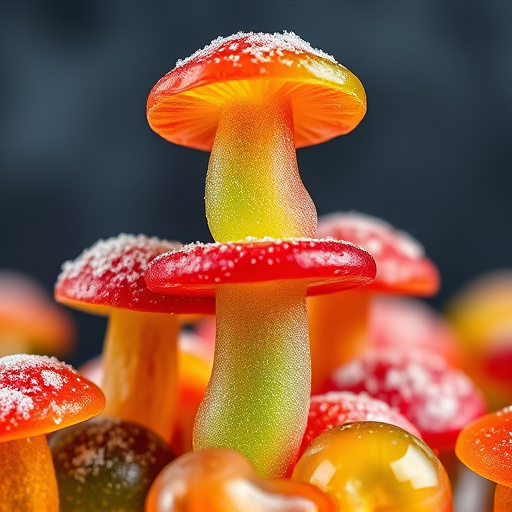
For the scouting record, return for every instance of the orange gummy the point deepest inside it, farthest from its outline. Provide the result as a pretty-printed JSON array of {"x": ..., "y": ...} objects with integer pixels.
[{"x": 219, "y": 479}]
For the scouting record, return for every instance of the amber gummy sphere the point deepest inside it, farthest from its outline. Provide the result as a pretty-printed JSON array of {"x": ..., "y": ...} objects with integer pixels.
[{"x": 373, "y": 466}]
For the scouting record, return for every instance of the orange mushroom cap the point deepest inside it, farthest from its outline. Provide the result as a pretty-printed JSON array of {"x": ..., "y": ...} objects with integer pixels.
[
  {"x": 110, "y": 275},
  {"x": 27, "y": 312},
  {"x": 39, "y": 395},
  {"x": 327, "y": 99},
  {"x": 485, "y": 446},
  {"x": 402, "y": 266}
]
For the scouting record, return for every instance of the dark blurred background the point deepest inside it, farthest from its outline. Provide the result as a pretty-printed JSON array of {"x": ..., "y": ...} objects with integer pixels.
[{"x": 78, "y": 161}]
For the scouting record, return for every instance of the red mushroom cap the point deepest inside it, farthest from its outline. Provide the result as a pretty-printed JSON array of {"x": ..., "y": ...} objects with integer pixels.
[
  {"x": 39, "y": 395},
  {"x": 402, "y": 266},
  {"x": 340, "y": 407},
  {"x": 197, "y": 269},
  {"x": 327, "y": 99},
  {"x": 110, "y": 275},
  {"x": 438, "y": 399},
  {"x": 485, "y": 446},
  {"x": 404, "y": 323}
]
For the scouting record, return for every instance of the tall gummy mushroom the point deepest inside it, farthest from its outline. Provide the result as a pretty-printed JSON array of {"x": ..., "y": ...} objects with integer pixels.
[
  {"x": 140, "y": 349},
  {"x": 252, "y": 99},
  {"x": 38, "y": 395}
]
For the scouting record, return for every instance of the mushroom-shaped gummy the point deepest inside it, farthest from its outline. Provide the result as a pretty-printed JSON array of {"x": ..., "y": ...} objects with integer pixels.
[
  {"x": 140, "y": 349},
  {"x": 438, "y": 399},
  {"x": 485, "y": 446},
  {"x": 30, "y": 321},
  {"x": 339, "y": 324},
  {"x": 251, "y": 99},
  {"x": 258, "y": 396},
  {"x": 38, "y": 395}
]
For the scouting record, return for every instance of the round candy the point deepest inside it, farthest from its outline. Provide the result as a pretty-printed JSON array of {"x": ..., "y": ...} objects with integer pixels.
[
  {"x": 375, "y": 466},
  {"x": 106, "y": 464}
]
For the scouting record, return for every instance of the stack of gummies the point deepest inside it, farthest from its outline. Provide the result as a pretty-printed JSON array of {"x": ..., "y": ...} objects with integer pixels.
[{"x": 234, "y": 414}]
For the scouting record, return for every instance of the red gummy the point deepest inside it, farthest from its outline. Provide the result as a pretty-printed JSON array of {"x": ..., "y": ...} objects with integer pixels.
[
  {"x": 341, "y": 407},
  {"x": 438, "y": 399}
]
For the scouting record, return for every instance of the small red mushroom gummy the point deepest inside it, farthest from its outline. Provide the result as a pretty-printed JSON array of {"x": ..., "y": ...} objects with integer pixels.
[{"x": 38, "y": 395}]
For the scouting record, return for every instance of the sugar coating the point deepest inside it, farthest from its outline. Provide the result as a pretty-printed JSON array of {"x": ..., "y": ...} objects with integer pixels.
[
  {"x": 108, "y": 462},
  {"x": 341, "y": 407},
  {"x": 38, "y": 389},
  {"x": 217, "y": 262},
  {"x": 109, "y": 265},
  {"x": 432, "y": 395},
  {"x": 375, "y": 235},
  {"x": 262, "y": 47},
  {"x": 400, "y": 258}
]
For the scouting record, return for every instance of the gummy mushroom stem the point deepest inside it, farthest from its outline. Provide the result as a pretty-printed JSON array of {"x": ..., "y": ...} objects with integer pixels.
[
  {"x": 38, "y": 395},
  {"x": 253, "y": 186},
  {"x": 336, "y": 342},
  {"x": 140, "y": 362},
  {"x": 258, "y": 397},
  {"x": 27, "y": 476}
]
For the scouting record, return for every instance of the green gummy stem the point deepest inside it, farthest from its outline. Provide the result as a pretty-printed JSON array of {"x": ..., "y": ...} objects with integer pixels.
[{"x": 257, "y": 400}]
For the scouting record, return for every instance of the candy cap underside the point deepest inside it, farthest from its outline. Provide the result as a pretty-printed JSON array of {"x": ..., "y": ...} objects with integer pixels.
[
  {"x": 39, "y": 395},
  {"x": 402, "y": 266},
  {"x": 110, "y": 275},
  {"x": 198, "y": 269},
  {"x": 327, "y": 99}
]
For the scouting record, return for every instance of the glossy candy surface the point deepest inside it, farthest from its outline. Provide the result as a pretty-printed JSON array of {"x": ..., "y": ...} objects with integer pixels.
[
  {"x": 198, "y": 269},
  {"x": 485, "y": 446},
  {"x": 106, "y": 464},
  {"x": 438, "y": 399},
  {"x": 374, "y": 467},
  {"x": 328, "y": 100},
  {"x": 340, "y": 407},
  {"x": 221, "y": 480}
]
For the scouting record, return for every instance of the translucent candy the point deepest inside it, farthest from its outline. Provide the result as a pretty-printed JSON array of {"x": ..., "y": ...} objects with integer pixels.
[
  {"x": 372, "y": 466},
  {"x": 106, "y": 465},
  {"x": 503, "y": 499},
  {"x": 220, "y": 480},
  {"x": 27, "y": 480}
]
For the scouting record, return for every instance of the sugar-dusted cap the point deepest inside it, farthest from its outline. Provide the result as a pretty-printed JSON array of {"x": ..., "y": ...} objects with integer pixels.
[
  {"x": 341, "y": 407},
  {"x": 438, "y": 399},
  {"x": 28, "y": 314},
  {"x": 198, "y": 269},
  {"x": 402, "y": 266},
  {"x": 327, "y": 99},
  {"x": 39, "y": 395},
  {"x": 110, "y": 275},
  {"x": 485, "y": 446}
]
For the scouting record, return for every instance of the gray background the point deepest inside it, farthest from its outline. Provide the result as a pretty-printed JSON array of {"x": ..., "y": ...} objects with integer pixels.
[{"x": 78, "y": 161}]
